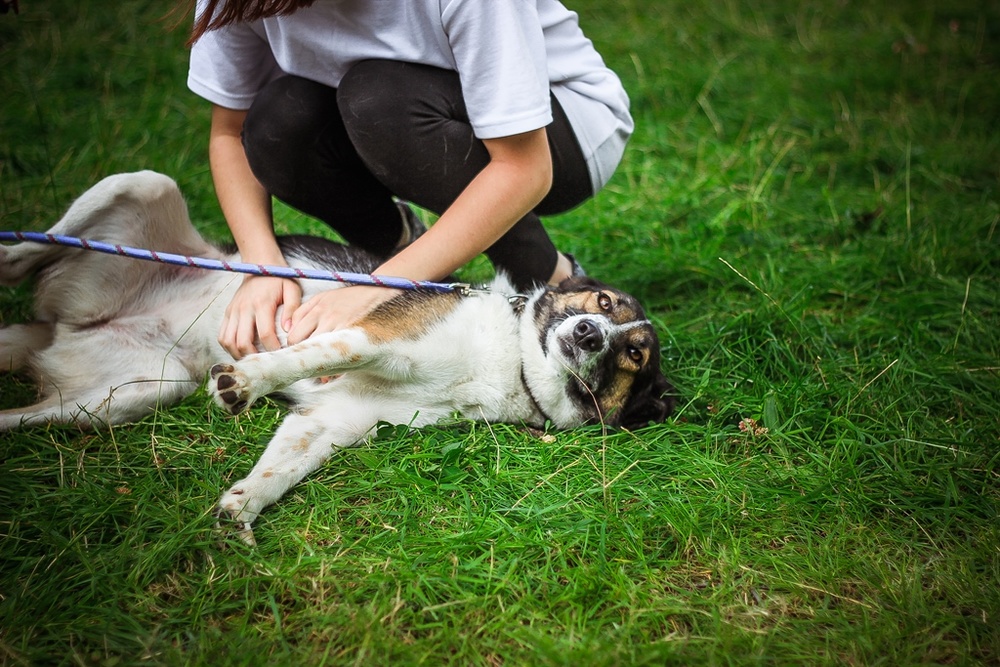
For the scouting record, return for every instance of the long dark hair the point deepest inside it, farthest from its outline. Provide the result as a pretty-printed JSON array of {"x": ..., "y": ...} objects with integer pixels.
[{"x": 240, "y": 11}]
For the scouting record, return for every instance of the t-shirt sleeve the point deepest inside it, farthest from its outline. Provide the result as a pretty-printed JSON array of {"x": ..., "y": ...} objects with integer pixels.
[
  {"x": 499, "y": 52},
  {"x": 230, "y": 65}
]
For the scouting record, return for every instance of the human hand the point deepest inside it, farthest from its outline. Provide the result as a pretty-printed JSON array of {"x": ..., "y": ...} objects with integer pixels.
[
  {"x": 336, "y": 309},
  {"x": 250, "y": 316}
]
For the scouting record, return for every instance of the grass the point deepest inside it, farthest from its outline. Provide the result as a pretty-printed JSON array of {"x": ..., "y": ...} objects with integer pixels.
[{"x": 809, "y": 209}]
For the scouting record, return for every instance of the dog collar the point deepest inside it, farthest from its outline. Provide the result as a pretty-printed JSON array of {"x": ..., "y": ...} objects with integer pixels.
[{"x": 531, "y": 397}]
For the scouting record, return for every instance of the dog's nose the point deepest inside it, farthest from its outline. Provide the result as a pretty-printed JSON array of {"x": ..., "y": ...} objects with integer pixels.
[{"x": 587, "y": 336}]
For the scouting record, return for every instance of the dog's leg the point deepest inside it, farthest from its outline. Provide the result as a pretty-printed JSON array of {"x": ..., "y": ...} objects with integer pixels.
[
  {"x": 88, "y": 407},
  {"x": 236, "y": 386},
  {"x": 301, "y": 444},
  {"x": 85, "y": 411},
  {"x": 50, "y": 410},
  {"x": 143, "y": 208},
  {"x": 19, "y": 342},
  {"x": 102, "y": 375},
  {"x": 19, "y": 261}
]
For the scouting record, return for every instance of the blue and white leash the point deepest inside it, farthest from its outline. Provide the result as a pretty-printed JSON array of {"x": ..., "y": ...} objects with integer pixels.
[{"x": 237, "y": 267}]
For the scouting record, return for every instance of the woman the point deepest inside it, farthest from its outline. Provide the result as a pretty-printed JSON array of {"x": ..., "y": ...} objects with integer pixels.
[{"x": 488, "y": 113}]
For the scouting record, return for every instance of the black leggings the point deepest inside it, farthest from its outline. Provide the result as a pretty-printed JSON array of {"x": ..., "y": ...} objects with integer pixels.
[{"x": 395, "y": 128}]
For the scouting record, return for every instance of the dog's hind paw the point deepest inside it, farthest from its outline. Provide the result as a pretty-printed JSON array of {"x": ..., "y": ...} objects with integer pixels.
[
  {"x": 226, "y": 521},
  {"x": 231, "y": 388},
  {"x": 233, "y": 516}
]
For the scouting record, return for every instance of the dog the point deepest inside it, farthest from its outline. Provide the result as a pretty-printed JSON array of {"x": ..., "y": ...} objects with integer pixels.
[{"x": 115, "y": 339}]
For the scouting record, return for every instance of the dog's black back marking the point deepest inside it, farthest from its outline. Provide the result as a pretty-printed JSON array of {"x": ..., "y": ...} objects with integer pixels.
[{"x": 325, "y": 254}]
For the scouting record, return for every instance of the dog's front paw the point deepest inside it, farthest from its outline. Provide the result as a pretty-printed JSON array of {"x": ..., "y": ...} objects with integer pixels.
[{"x": 231, "y": 388}]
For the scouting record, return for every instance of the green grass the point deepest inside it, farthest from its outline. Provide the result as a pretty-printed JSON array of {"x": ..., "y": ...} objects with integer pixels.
[{"x": 809, "y": 209}]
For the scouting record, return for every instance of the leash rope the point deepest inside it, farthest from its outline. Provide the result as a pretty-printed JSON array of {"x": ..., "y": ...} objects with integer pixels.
[{"x": 239, "y": 267}]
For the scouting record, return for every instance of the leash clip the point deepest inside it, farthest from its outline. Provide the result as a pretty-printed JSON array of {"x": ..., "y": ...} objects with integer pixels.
[{"x": 516, "y": 301}]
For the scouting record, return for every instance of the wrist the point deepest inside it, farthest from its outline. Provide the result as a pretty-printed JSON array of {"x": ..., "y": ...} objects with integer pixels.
[{"x": 261, "y": 252}]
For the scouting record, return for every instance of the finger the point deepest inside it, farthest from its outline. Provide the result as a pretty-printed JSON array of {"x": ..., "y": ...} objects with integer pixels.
[
  {"x": 246, "y": 333},
  {"x": 303, "y": 327},
  {"x": 227, "y": 336},
  {"x": 292, "y": 299},
  {"x": 227, "y": 332},
  {"x": 268, "y": 338},
  {"x": 266, "y": 330},
  {"x": 304, "y": 309}
]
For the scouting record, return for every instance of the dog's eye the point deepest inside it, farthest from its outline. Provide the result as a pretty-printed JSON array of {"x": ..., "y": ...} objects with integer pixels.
[
  {"x": 635, "y": 354},
  {"x": 604, "y": 301}
]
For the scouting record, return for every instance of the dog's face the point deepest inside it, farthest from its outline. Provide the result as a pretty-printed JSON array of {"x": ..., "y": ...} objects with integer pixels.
[{"x": 605, "y": 352}]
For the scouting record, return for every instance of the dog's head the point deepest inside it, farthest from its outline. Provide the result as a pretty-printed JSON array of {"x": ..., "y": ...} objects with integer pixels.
[{"x": 594, "y": 358}]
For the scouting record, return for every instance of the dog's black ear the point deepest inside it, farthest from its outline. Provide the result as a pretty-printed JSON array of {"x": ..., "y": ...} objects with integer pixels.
[{"x": 653, "y": 404}]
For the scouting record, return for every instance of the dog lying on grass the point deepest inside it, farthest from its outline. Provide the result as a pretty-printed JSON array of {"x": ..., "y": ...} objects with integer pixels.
[{"x": 114, "y": 339}]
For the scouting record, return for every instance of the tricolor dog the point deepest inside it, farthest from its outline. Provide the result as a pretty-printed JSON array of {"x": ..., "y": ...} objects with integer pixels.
[{"x": 114, "y": 338}]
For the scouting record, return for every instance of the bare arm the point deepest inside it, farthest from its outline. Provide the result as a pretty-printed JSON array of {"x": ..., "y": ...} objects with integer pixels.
[
  {"x": 517, "y": 177},
  {"x": 247, "y": 209}
]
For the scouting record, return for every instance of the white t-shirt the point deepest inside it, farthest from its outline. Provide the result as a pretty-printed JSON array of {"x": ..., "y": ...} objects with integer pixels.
[{"x": 508, "y": 53}]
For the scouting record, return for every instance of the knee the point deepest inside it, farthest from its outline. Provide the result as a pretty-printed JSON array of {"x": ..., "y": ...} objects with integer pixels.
[
  {"x": 371, "y": 91},
  {"x": 379, "y": 97},
  {"x": 408, "y": 123}
]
